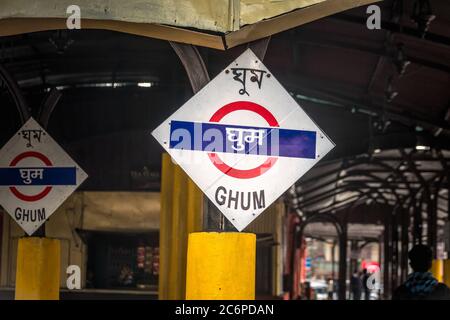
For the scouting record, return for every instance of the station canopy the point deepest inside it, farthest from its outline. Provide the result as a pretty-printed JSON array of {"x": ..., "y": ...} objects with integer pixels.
[
  {"x": 366, "y": 188},
  {"x": 219, "y": 24}
]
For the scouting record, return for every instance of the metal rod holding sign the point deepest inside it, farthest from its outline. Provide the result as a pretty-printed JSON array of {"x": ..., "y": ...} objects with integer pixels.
[{"x": 198, "y": 77}]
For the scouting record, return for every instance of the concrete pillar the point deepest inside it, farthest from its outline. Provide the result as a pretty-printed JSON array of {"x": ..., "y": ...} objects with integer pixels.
[
  {"x": 221, "y": 266},
  {"x": 181, "y": 214},
  {"x": 405, "y": 215},
  {"x": 387, "y": 258},
  {"x": 446, "y": 278},
  {"x": 437, "y": 269},
  {"x": 38, "y": 269}
]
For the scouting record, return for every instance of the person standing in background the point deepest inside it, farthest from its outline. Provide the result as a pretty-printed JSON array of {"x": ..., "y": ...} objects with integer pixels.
[
  {"x": 421, "y": 285},
  {"x": 356, "y": 285},
  {"x": 330, "y": 288},
  {"x": 365, "y": 281}
]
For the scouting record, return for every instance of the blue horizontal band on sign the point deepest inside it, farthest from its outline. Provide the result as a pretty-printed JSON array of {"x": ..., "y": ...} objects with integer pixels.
[
  {"x": 51, "y": 176},
  {"x": 212, "y": 137}
]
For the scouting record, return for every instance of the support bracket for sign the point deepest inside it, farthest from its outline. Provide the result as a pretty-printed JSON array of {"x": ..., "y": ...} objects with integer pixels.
[
  {"x": 193, "y": 64},
  {"x": 259, "y": 47},
  {"x": 198, "y": 77},
  {"x": 47, "y": 107},
  {"x": 16, "y": 94}
]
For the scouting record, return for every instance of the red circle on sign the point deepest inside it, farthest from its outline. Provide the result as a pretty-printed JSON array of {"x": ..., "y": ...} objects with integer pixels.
[
  {"x": 271, "y": 121},
  {"x": 43, "y": 193}
]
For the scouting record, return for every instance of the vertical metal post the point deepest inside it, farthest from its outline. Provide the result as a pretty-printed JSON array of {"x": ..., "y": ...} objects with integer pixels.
[
  {"x": 432, "y": 221},
  {"x": 394, "y": 248},
  {"x": 447, "y": 218},
  {"x": 448, "y": 197},
  {"x": 405, "y": 214},
  {"x": 386, "y": 257},
  {"x": 342, "y": 288},
  {"x": 353, "y": 260},
  {"x": 297, "y": 242},
  {"x": 417, "y": 230},
  {"x": 341, "y": 228},
  {"x": 333, "y": 261},
  {"x": 447, "y": 261},
  {"x": 380, "y": 253}
]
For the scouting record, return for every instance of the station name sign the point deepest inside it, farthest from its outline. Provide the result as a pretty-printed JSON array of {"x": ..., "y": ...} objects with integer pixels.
[
  {"x": 243, "y": 140},
  {"x": 36, "y": 176}
]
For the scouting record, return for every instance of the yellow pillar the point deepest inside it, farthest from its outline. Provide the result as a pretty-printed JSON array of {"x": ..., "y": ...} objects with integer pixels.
[
  {"x": 221, "y": 266},
  {"x": 447, "y": 272},
  {"x": 38, "y": 269},
  {"x": 437, "y": 269},
  {"x": 181, "y": 214}
]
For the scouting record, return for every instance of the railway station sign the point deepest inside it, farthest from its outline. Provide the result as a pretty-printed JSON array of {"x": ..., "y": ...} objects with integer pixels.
[
  {"x": 36, "y": 176},
  {"x": 243, "y": 139}
]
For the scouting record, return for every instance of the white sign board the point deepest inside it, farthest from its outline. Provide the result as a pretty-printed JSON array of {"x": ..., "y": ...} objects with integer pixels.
[
  {"x": 36, "y": 176},
  {"x": 243, "y": 140}
]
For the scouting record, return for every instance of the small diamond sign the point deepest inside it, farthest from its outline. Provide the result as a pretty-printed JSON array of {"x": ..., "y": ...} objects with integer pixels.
[
  {"x": 36, "y": 176},
  {"x": 243, "y": 140}
]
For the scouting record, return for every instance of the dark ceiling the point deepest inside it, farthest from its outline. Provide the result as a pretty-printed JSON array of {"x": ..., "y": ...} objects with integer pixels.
[{"x": 385, "y": 89}]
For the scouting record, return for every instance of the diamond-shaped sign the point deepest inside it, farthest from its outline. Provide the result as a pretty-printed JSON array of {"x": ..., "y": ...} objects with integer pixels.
[
  {"x": 36, "y": 176},
  {"x": 243, "y": 140}
]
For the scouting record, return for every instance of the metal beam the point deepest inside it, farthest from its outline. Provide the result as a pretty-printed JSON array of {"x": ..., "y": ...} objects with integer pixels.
[
  {"x": 345, "y": 188},
  {"x": 384, "y": 184},
  {"x": 349, "y": 202},
  {"x": 49, "y": 104},
  {"x": 386, "y": 257},
  {"x": 342, "y": 284},
  {"x": 341, "y": 230},
  {"x": 16, "y": 94}
]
